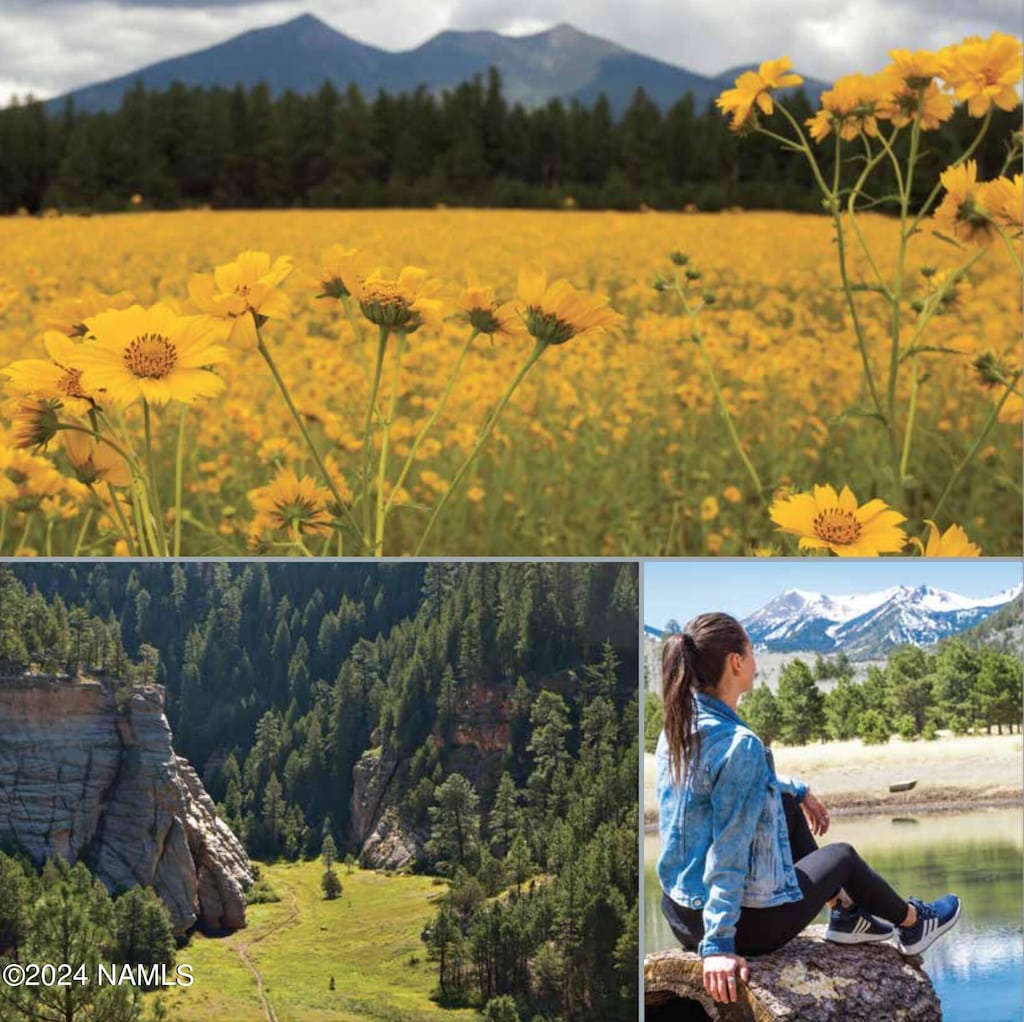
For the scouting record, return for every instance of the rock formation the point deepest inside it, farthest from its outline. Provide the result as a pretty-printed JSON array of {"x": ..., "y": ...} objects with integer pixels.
[
  {"x": 476, "y": 748},
  {"x": 809, "y": 980},
  {"x": 83, "y": 778},
  {"x": 386, "y": 843}
]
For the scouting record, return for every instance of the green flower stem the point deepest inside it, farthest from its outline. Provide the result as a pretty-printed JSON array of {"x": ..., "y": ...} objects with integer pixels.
[
  {"x": 156, "y": 508},
  {"x": 1009, "y": 247},
  {"x": 905, "y": 189},
  {"x": 976, "y": 446},
  {"x": 298, "y": 543},
  {"x": 807, "y": 151},
  {"x": 49, "y": 537},
  {"x": 844, "y": 277},
  {"x": 421, "y": 436},
  {"x": 144, "y": 515},
  {"x": 539, "y": 348},
  {"x": 851, "y": 206},
  {"x": 1011, "y": 159},
  {"x": 833, "y": 205},
  {"x": 357, "y": 333},
  {"x": 178, "y": 476},
  {"x": 382, "y": 341},
  {"x": 87, "y": 520},
  {"x": 122, "y": 521},
  {"x": 962, "y": 158},
  {"x": 382, "y": 467},
  {"x": 931, "y": 305},
  {"x": 24, "y": 533},
  {"x": 265, "y": 352},
  {"x": 720, "y": 400}
]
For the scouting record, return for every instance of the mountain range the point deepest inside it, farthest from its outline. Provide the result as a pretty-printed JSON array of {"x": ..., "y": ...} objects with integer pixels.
[
  {"x": 868, "y": 625},
  {"x": 303, "y": 53}
]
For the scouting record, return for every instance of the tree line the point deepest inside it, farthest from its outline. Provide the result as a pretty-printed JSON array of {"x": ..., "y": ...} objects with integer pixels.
[
  {"x": 955, "y": 686},
  {"x": 187, "y": 146},
  {"x": 280, "y": 679}
]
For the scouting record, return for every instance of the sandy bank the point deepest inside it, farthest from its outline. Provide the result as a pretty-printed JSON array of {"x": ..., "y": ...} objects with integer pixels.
[{"x": 951, "y": 773}]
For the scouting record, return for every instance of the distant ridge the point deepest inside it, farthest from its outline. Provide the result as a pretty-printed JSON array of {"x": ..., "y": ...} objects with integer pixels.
[
  {"x": 303, "y": 53},
  {"x": 868, "y": 625}
]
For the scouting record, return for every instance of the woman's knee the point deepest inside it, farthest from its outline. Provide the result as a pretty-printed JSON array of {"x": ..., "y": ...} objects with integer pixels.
[{"x": 845, "y": 852}]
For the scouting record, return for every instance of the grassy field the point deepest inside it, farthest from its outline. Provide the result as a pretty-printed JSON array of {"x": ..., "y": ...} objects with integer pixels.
[
  {"x": 612, "y": 445},
  {"x": 368, "y": 940},
  {"x": 950, "y": 769}
]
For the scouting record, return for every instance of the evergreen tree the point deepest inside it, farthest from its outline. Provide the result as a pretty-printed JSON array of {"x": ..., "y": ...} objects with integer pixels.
[
  {"x": 760, "y": 709},
  {"x": 801, "y": 705}
]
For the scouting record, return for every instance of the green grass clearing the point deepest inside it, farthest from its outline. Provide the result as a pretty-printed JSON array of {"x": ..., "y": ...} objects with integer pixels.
[{"x": 368, "y": 940}]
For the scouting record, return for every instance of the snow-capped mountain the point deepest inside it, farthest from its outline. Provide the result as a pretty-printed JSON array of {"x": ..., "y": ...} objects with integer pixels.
[{"x": 866, "y": 625}]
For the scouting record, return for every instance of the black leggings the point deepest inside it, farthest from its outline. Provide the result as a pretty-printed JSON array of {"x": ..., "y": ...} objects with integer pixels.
[{"x": 821, "y": 872}]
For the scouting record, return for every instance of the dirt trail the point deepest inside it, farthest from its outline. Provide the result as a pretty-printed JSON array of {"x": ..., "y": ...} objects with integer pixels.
[{"x": 242, "y": 950}]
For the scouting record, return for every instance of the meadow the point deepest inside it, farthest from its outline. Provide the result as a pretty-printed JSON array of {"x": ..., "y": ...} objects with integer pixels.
[
  {"x": 367, "y": 941},
  {"x": 613, "y": 444}
]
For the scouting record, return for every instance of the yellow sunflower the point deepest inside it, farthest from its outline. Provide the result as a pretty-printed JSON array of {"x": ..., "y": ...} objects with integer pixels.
[
  {"x": 984, "y": 71},
  {"x": 340, "y": 268},
  {"x": 34, "y": 420},
  {"x": 95, "y": 462},
  {"x": 916, "y": 68},
  {"x": 69, "y": 314},
  {"x": 933, "y": 105},
  {"x": 556, "y": 314},
  {"x": 853, "y": 105},
  {"x": 483, "y": 312},
  {"x": 290, "y": 503},
  {"x": 1003, "y": 199},
  {"x": 405, "y": 302},
  {"x": 951, "y": 543},
  {"x": 754, "y": 88},
  {"x": 153, "y": 354},
  {"x": 826, "y": 521},
  {"x": 244, "y": 292},
  {"x": 60, "y": 377},
  {"x": 962, "y": 213}
]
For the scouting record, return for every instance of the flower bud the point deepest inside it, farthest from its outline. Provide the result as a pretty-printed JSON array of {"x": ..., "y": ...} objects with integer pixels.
[{"x": 679, "y": 258}]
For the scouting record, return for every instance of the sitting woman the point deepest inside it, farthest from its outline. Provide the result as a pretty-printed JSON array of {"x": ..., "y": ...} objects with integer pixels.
[{"x": 740, "y": 871}]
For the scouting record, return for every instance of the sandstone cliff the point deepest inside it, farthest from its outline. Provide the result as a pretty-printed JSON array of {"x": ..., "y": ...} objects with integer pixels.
[
  {"x": 477, "y": 745},
  {"x": 83, "y": 780}
]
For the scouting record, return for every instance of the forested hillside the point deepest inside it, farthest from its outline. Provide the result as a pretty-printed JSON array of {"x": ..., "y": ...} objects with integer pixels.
[{"x": 492, "y": 706}]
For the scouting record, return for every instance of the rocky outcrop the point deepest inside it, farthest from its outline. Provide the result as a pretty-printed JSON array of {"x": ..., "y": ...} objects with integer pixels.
[
  {"x": 84, "y": 779},
  {"x": 808, "y": 980},
  {"x": 377, "y": 827}
]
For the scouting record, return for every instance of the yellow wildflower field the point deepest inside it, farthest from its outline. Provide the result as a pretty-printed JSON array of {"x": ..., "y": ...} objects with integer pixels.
[{"x": 613, "y": 445}]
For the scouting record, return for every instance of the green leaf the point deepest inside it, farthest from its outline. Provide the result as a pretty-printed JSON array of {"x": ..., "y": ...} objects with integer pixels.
[
  {"x": 931, "y": 347},
  {"x": 857, "y": 412}
]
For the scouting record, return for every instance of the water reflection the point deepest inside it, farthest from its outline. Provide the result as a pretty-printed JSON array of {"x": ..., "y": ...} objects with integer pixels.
[{"x": 978, "y": 970}]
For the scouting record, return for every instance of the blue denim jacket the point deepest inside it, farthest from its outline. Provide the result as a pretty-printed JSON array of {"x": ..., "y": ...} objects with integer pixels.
[{"x": 724, "y": 840}]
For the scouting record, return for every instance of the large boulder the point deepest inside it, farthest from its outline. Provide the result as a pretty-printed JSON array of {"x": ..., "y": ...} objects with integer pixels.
[{"x": 808, "y": 980}]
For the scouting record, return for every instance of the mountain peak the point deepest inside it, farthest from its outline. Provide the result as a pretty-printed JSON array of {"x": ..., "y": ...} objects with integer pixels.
[{"x": 866, "y": 624}]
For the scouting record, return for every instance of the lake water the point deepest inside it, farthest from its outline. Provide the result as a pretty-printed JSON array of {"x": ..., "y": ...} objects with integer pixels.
[{"x": 978, "y": 968}]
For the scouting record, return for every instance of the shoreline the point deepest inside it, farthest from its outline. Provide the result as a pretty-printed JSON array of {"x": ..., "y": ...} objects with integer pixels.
[{"x": 928, "y": 800}]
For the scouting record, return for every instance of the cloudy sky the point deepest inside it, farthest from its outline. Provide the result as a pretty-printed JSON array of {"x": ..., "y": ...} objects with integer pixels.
[{"x": 50, "y": 46}]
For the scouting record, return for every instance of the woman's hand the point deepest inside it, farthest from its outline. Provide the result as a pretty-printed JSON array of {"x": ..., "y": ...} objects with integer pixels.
[
  {"x": 720, "y": 972},
  {"x": 816, "y": 813}
]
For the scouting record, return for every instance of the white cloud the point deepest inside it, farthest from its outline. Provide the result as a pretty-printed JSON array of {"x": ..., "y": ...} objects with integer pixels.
[{"x": 51, "y": 46}]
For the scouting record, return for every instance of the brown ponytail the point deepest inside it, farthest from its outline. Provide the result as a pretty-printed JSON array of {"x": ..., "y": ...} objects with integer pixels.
[{"x": 694, "y": 661}]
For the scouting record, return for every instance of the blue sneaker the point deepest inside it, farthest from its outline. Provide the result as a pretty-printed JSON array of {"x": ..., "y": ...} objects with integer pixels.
[
  {"x": 855, "y": 926},
  {"x": 933, "y": 920}
]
